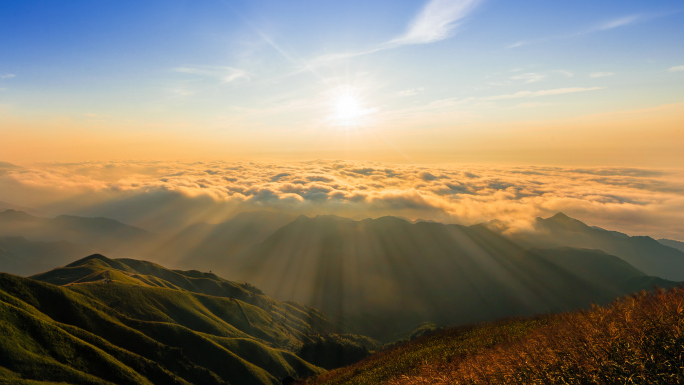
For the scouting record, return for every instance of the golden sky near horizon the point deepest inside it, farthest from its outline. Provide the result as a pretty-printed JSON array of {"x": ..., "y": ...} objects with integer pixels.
[{"x": 645, "y": 137}]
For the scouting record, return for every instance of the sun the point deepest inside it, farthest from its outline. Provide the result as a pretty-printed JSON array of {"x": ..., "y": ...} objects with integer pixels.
[{"x": 347, "y": 108}]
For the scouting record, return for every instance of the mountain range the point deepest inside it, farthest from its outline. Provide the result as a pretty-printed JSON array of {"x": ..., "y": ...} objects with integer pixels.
[
  {"x": 30, "y": 244},
  {"x": 378, "y": 277},
  {"x": 653, "y": 257},
  {"x": 384, "y": 276}
]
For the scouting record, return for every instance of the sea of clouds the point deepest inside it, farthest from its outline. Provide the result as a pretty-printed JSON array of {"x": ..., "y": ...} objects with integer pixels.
[{"x": 166, "y": 196}]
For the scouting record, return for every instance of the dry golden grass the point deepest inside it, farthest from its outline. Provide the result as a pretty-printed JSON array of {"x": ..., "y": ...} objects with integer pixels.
[{"x": 635, "y": 340}]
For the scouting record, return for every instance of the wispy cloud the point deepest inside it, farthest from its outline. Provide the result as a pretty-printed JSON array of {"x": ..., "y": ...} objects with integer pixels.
[
  {"x": 8, "y": 76},
  {"x": 615, "y": 23},
  {"x": 603, "y": 26},
  {"x": 221, "y": 73},
  {"x": 436, "y": 21},
  {"x": 534, "y": 94},
  {"x": 676, "y": 69},
  {"x": 180, "y": 91},
  {"x": 411, "y": 91},
  {"x": 529, "y": 77},
  {"x": 600, "y": 74},
  {"x": 564, "y": 73}
]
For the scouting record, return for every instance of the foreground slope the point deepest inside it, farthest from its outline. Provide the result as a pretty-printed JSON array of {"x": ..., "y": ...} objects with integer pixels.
[
  {"x": 147, "y": 324},
  {"x": 385, "y": 276},
  {"x": 637, "y": 339}
]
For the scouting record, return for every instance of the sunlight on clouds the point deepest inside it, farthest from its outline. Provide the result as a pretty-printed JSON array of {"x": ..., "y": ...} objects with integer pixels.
[{"x": 156, "y": 195}]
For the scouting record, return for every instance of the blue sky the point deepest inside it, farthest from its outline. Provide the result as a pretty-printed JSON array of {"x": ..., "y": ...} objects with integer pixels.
[{"x": 336, "y": 74}]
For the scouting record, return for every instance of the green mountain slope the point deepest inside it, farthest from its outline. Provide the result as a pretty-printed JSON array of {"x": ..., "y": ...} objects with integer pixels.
[{"x": 147, "y": 324}]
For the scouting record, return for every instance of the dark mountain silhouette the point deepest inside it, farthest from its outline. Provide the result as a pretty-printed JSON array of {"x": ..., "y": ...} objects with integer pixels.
[
  {"x": 384, "y": 276},
  {"x": 9, "y": 166},
  {"x": 644, "y": 253},
  {"x": 102, "y": 234},
  {"x": 672, "y": 243},
  {"x": 128, "y": 321},
  {"x": 8, "y": 206}
]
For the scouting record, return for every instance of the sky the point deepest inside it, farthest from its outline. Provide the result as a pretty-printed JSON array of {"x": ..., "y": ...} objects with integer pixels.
[
  {"x": 462, "y": 111},
  {"x": 439, "y": 81}
]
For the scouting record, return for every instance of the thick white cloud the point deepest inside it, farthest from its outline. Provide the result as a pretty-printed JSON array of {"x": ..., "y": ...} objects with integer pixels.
[{"x": 158, "y": 195}]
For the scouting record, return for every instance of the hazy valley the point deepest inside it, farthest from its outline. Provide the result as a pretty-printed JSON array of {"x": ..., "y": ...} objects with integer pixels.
[{"x": 360, "y": 283}]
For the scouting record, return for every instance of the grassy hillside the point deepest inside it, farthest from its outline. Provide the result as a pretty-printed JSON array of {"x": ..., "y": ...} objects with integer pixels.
[
  {"x": 148, "y": 325},
  {"x": 637, "y": 339}
]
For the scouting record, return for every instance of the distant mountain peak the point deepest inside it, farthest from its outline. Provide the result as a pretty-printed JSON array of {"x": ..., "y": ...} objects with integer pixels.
[
  {"x": 7, "y": 165},
  {"x": 389, "y": 219},
  {"x": 327, "y": 219},
  {"x": 560, "y": 220},
  {"x": 12, "y": 214}
]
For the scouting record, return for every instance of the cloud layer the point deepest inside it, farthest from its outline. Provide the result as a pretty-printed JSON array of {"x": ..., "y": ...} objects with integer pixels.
[{"x": 166, "y": 195}]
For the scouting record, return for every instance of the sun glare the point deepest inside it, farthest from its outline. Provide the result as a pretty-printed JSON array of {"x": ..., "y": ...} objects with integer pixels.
[{"x": 347, "y": 109}]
